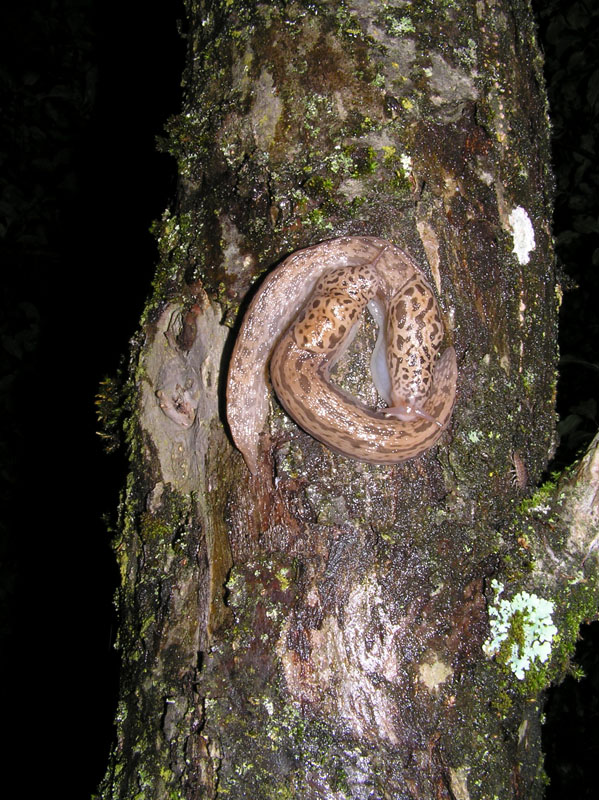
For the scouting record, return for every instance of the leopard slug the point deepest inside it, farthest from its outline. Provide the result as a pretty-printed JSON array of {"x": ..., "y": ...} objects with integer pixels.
[{"x": 304, "y": 317}]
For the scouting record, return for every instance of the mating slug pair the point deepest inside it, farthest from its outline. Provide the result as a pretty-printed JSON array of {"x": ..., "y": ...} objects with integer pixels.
[{"x": 304, "y": 317}]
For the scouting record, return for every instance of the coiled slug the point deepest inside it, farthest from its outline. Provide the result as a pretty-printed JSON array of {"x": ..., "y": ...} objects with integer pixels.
[{"x": 303, "y": 318}]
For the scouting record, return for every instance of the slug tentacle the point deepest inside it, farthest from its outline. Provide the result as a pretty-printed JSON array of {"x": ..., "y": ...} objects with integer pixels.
[{"x": 304, "y": 317}]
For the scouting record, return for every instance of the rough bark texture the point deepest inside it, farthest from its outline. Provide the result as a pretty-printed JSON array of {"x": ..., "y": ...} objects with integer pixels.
[{"x": 327, "y": 628}]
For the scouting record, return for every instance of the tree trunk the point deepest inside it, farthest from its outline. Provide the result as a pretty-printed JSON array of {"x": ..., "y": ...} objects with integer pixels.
[{"x": 322, "y": 627}]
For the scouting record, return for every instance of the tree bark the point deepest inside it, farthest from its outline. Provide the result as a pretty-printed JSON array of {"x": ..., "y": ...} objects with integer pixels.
[{"x": 327, "y": 628}]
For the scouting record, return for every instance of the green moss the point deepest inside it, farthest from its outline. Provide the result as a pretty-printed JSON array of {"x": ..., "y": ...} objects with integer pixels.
[
  {"x": 152, "y": 527},
  {"x": 319, "y": 186},
  {"x": 112, "y": 403},
  {"x": 543, "y": 498},
  {"x": 283, "y": 576},
  {"x": 365, "y": 162},
  {"x": 502, "y": 702},
  {"x": 579, "y": 604},
  {"x": 318, "y": 218},
  {"x": 348, "y": 24}
]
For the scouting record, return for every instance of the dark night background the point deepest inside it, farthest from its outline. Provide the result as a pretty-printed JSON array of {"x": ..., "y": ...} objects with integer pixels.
[{"x": 86, "y": 87}]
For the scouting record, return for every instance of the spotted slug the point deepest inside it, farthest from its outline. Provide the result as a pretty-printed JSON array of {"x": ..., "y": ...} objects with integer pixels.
[{"x": 302, "y": 320}]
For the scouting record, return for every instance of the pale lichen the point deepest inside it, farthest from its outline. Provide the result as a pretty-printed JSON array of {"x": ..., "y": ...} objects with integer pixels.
[
  {"x": 523, "y": 234},
  {"x": 522, "y": 630}
]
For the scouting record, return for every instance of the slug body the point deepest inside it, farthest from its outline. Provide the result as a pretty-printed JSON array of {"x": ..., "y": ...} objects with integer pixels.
[{"x": 304, "y": 317}]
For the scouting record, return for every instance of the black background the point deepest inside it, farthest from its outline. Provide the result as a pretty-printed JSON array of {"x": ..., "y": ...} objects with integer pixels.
[{"x": 85, "y": 89}]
